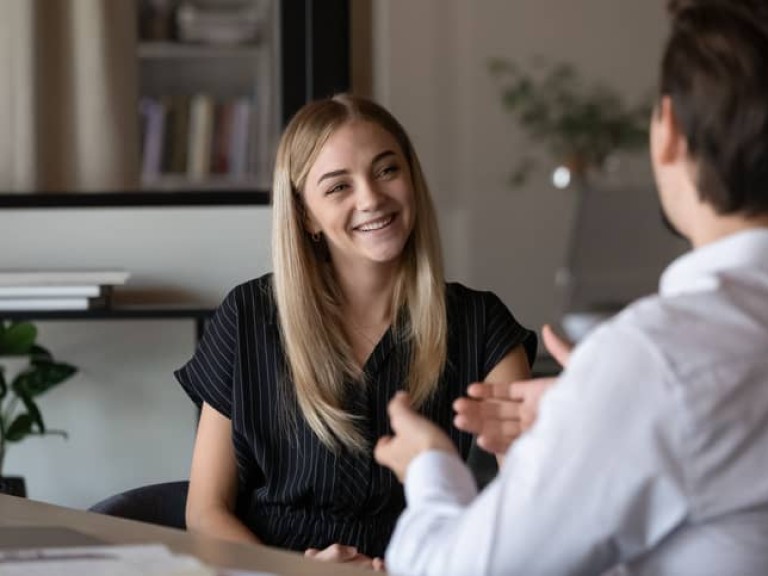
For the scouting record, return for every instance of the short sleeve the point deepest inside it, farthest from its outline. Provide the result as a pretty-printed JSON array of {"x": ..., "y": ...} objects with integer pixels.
[
  {"x": 503, "y": 333},
  {"x": 208, "y": 376}
]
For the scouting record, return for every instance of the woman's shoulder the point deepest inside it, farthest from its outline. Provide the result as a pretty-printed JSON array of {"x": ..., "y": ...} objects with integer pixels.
[
  {"x": 458, "y": 294},
  {"x": 253, "y": 296}
]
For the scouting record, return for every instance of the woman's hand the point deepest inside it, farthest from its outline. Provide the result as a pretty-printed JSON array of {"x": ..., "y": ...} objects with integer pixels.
[{"x": 345, "y": 554}]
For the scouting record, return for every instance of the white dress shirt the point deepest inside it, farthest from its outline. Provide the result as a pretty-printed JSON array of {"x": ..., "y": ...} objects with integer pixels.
[{"x": 649, "y": 456}]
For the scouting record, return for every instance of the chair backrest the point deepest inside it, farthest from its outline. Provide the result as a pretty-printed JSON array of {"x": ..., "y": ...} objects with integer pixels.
[{"x": 163, "y": 504}]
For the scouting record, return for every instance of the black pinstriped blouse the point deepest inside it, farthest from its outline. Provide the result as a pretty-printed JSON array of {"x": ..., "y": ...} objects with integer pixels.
[{"x": 295, "y": 493}]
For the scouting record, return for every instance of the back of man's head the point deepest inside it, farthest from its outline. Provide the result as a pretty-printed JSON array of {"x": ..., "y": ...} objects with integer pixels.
[{"x": 715, "y": 69}]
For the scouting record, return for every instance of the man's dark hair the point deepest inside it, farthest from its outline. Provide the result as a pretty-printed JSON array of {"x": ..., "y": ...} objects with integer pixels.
[{"x": 715, "y": 69}]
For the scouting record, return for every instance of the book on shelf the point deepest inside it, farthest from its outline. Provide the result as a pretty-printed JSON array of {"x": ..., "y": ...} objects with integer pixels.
[
  {"x": 178, "y": 129},
  {"x": 153, "y": 113},
  {"x": 239, "y": 138},
  {"x": 60, "y": 277},
  {"x": 43, "y": 304},
  {"x": 200, "y": 136},
  {"x": 197, "y": 137}
]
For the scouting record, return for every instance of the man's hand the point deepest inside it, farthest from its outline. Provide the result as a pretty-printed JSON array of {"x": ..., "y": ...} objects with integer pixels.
[
  {"x": 560, "y": 348},
  {"x": 414, "y": 434},
  {"x": 498, "y": 413},
  {"x": 345, "y": 554}
]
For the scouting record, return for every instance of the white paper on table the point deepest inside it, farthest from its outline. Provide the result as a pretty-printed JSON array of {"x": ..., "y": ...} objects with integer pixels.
[
  {"x": 148, "y": 560},
  {"x": 243, "y": 573}
]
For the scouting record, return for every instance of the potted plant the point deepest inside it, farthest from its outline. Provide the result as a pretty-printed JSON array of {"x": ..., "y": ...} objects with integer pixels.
[
  {"x": 36, "y": 373},
  {"x": 581, "y": 125}
]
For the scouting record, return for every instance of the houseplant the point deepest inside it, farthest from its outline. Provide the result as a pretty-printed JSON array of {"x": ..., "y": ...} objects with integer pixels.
[
  {"x": 37, "y": 372},
  {"x": 581, "y": 125}
]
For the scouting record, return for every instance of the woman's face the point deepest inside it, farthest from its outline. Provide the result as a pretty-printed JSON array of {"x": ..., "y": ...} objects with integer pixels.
[{"x": 359, "y": 194}]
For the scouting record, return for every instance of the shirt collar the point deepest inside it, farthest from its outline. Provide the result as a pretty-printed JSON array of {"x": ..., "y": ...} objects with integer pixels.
[{"x": 702, "y": 269}]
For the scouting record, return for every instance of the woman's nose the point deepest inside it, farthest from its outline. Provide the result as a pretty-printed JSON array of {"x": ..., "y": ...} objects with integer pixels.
[{"x": 368, "y": 196}]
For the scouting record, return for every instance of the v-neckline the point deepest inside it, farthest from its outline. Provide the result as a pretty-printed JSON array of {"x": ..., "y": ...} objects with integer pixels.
[{"x": 379, "y": 353}]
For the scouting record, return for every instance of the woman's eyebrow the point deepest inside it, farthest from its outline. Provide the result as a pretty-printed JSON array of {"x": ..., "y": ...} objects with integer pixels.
[
  {"x": 344, "y": 171},
  {"x": 332, "y": 174}
]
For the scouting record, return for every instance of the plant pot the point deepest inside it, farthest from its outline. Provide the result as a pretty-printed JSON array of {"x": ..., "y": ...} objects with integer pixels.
[{"x": 13, "y": 486}]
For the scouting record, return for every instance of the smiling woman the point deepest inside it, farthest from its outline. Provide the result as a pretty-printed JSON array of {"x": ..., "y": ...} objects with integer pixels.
[
  {"x": 359, "y": 197},
  {"x": 296, "y": 368}
]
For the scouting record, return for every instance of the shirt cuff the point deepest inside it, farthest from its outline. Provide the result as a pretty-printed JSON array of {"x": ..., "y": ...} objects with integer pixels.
[{"x": 439, "y": 476}]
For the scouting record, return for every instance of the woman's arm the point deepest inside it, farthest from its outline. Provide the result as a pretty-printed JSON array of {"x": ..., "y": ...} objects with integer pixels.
[
  {"x": 499, "y": 410},
  {"x": 213, "y": 481},
  {"x": 496, "y": 419}
]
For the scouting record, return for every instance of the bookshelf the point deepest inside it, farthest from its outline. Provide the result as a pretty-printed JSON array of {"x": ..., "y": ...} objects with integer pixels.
[
  {"x": 207, "y": 109},
  {"x": 197, "y": 314},
  {"x": 303, "y": 53}
]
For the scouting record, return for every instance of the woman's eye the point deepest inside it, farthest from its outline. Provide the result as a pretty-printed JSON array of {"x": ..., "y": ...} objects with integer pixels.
[
  {"x": 336, "y": 188},
  {"x": 388, "y": 171}
]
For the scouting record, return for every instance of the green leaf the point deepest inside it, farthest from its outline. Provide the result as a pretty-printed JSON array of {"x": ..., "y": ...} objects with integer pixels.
[
  {"x": 38, "y": 353},
  {"x": 33, "y": 411},
  {"x": 20, "y": 428},
  {"x": 41, "y": 377},
  {"x": 18, "y": 338},
  {"x": 3, "y": 383}
]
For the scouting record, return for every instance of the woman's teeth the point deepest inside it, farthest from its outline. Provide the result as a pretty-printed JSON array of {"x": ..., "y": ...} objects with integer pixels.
[{"x": 375, "y": 225}]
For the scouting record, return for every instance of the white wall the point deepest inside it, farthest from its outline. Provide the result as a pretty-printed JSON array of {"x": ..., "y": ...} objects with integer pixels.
[
  {"x": 129, "y": 422},
  {"x": 431, "y": 71}
]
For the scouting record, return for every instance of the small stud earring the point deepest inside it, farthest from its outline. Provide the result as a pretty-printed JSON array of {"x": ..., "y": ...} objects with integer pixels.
[{"x": 316, "y": 236}]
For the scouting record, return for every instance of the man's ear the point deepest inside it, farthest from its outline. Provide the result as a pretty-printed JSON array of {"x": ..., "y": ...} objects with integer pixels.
[{"x": 669, "y": 144}]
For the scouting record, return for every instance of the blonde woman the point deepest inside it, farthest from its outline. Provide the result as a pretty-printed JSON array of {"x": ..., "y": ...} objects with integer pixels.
[{"x": 296, "y": 368}]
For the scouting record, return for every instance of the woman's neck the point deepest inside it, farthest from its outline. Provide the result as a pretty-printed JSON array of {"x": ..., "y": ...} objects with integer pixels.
[
  {"x": 368, "y": 297},
  {"x": 367, "y": 307}
]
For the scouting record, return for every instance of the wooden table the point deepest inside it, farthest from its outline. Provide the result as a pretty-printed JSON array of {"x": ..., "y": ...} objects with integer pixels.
[{"x": 20, "y": 512}]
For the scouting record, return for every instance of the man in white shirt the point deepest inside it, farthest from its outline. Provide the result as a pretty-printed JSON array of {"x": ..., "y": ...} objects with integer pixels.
[{"x": 650, "y": 454}]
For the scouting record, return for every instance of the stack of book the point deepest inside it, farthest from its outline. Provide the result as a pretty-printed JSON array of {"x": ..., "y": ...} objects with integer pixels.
[{"x": 35, "y": 290}]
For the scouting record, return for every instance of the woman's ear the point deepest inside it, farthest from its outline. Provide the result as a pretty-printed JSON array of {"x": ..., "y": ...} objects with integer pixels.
[
  {"x": 310, "y": 225},
  {"x": 307, "y": 222}
]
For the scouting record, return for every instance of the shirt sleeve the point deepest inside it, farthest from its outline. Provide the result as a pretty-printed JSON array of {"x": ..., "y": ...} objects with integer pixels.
[
  {"x": 597, "y": 481},
  {"x": 503, "y": 333},
  {"x": 207, "y": 377}
]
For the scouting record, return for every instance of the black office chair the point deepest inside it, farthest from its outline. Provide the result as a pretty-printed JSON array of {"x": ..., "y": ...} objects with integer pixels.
[{"x": 163, "y": 504}]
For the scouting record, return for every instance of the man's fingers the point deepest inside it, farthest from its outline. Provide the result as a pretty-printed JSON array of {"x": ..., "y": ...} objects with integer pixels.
[
  {"x": 491, "y": 391},
  {"x": 505, "y": 393},
  {"x": 487, "y": 409},
  {"x": 400, "y": 411},
  {"x": 498, "y": 446},
  {"x": 559, "y": 347},
  {"x": 382, "y": 449},
  {"x": 527, "y": 390},
  {"x": 502, "y": 429}
]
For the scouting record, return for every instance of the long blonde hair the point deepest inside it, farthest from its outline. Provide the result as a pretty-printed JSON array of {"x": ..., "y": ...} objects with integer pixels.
[{"x": 318, "y": 355}]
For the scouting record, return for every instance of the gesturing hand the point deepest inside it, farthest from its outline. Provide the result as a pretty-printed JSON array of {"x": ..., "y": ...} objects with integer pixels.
[
  {"x": 414, "y": 434},
  {"x": 499, "y": 413}
]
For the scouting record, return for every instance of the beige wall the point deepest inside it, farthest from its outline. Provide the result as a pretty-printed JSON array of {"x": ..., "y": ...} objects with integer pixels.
[
  {"x": 128, "y": 421},
  {"x": 431, "y": 70}
]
